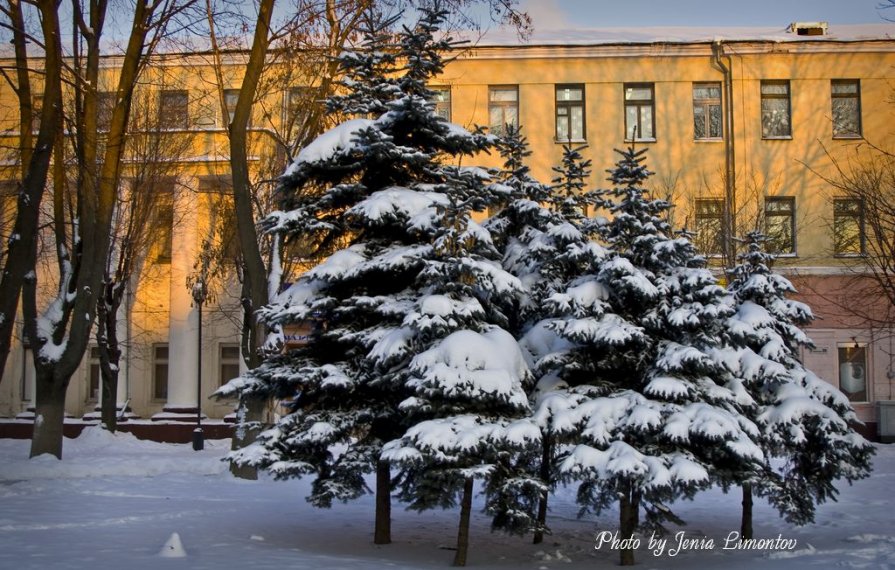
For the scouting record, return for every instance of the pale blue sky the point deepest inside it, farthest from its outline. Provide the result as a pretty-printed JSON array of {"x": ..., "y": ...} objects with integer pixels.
[{"x": 775, "y": 13}]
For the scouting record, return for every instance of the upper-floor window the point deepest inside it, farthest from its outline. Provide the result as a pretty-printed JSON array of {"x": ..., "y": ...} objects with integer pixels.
[
  {"x": 441, "y": 97},
  {"x": 221, "y": 216},
  {"x": 780, "y": 224},
  {"x": 105, "y": 106},
  {"x": 163, "y": 220},
  {"x": 640, "y": 116},
  {"x": 848, "y": 226},
  {"x": 776, "y": 111},
  {"x": 709, "y": 225},
  {"x": 570, "y": 113},
  {"x": 846, "y": 106},
  {"x": 37, "y": 103},
  {"x": 707, "y": 111},
  {"x": 503, "y": 107},
  {"x": 173, "y": 109},
  {"x": 231, "y": 96},
  {"x": 9, "y": 191}
]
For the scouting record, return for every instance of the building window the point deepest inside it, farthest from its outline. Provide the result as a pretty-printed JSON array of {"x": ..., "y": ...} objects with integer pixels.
[
  {"x": 780, "y": 225},
  {"x": 105, "y": 106},
  {"x": 503, "y": 108},
  {"x": 93, "y": 374},
  {"x": 848, "y": 226},
  {"x": 160, "y": 371},
  {"x": 37, "y": 103},
  {"x": 441, "y": 97},
  {"x": 846, "y": 101},
  {"x": 570, "y": 124},
  {"x": 9, "y": 192},
  {"x": 163, "y": 219},
  {"x": 173, "y": 108},
  {"x": 231, "y": 97},
  {"x": 710, "y": 225},
  {"x": 775, "y": 110},
  {"x": 707, "y": 111},
  {"x": 221, "y": 217},
  {"x": 228, "y": 359},
  {"x": 640, "y": 117},
  {"x": 853, "y": 371},
  {"x": 298, "y": 108}
]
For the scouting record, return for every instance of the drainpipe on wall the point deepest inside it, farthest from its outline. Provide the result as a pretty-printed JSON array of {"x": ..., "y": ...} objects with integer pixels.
[{"x": 729, "y": 152}]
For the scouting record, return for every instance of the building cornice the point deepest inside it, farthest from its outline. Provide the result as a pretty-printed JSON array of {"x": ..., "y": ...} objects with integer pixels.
[{"x": 673, "y": 49}]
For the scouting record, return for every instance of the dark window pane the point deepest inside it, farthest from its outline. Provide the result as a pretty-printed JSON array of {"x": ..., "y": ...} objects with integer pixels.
[
  {"x": 160, "y": 372},
  {"x": 709, "y": 228},
  {"x": 775, "y": 109},
  {"x": 848, "y": 227},
  {"x": 503, "y": 108},
  {"x": 105, "y": 106},
  {"x": 173, "y": 109},
  {"x": 780, "y": 225},
  {"x": 569, "y": 113}
]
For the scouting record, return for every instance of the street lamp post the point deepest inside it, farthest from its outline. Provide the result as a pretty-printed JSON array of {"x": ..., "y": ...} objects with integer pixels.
[{"x": 200, "y": 293}]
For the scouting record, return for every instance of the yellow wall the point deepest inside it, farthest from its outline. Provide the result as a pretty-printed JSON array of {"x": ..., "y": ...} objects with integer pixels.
[{"x": 688, "y": 167}]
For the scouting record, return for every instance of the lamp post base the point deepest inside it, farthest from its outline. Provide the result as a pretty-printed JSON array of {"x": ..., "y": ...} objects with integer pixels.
[{"x": 198, "y": 439}]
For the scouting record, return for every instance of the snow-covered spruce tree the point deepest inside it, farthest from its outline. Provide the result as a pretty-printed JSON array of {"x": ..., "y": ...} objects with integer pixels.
[
  {"x": 375, "y": 183},
  {"x": 545, "y": 244},
  {"x": 468, "y": 375},
  {"x": 568, "y": 194},
  {"x": 805, "y": 421},
  {"x": 653, "y": 412}
]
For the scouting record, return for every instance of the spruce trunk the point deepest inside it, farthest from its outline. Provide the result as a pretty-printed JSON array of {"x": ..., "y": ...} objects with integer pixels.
[
  {"x": 463, "y": 532},
  {"x": 746, "y": 523},
  {"x": 628, "y": 518},
  {"x": 49, "y": 415},
  {"x": 547, "y": 452},
  {"x": 383, "y": 525},
  {"x": 250, "y": 410}
]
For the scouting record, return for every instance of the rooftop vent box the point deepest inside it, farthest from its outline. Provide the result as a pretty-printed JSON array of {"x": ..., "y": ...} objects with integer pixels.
[{"x": 808, "y": 28}]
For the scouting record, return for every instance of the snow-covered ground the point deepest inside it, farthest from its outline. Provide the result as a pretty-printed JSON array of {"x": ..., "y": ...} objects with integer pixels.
[{"x": 114, "y": 502}]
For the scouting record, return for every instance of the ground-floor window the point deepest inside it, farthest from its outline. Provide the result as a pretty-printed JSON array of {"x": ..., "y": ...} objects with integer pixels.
[{"x": 853, "y": 371}]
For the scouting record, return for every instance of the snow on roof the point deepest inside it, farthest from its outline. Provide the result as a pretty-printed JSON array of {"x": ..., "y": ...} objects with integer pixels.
[{"x": 504, "y": 37}]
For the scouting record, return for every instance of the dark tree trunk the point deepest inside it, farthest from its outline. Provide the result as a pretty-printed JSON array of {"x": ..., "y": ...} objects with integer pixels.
[
  {"x": 628, "y": 518},
  {"x": 109, "y": 407},
  {"x": 746, "y": 523},
  {"x": 463, "y": 532},
  {"x": 383, "y": 524},
  {"x": 109, "y": 354},
  {"x": 546, "y": 456},
  {"x": 255, "y": 277},
  {"x": 21, "y": 253},
  {"x": 49, "y": 414}
]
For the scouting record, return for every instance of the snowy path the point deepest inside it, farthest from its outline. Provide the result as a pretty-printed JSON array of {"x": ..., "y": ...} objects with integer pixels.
[{"x": 113, "y": 502}]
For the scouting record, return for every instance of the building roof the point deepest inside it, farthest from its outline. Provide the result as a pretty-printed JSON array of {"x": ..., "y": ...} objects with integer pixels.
[{"x": 503, "y": 37}]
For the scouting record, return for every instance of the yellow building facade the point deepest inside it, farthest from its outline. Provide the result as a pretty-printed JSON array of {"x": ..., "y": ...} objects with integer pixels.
[{"x": 741, "y": 128}]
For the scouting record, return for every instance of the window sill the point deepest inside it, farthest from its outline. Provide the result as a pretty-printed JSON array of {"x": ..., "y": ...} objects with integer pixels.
[
  {"x": 708, "y": 140},
  {"x": 857, "y": 137},
  {"x": 569, "y": 141},
  {"x": 786, "y": 138},
  {"x": 785, "y": 255},
  {"x": 640, "y": 140},
  {"x": 849, "y": 255}
]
